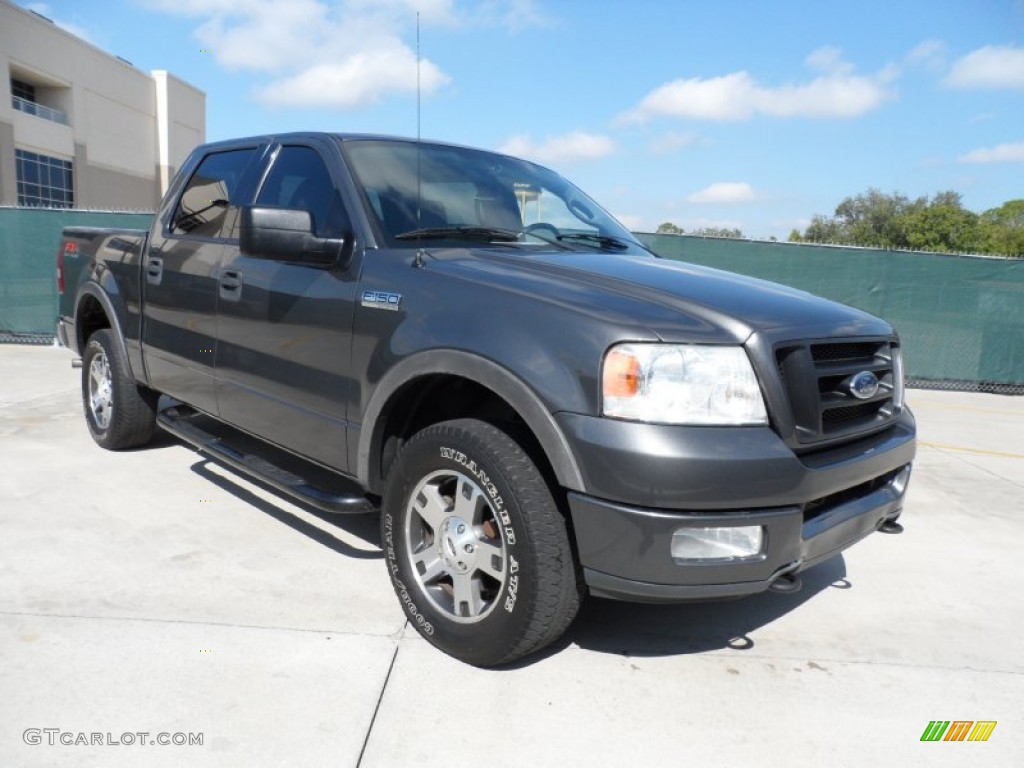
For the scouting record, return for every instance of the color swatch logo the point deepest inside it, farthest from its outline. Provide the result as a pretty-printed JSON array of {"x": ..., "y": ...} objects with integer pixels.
[{"x": 958, "y": 730}]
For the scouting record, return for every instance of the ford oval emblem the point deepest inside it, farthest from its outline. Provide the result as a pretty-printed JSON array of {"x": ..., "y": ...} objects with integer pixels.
[{"x": 864, "y": 385}]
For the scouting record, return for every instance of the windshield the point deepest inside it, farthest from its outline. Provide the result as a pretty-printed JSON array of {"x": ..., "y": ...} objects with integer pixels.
[{"x": 468, "y": 195}]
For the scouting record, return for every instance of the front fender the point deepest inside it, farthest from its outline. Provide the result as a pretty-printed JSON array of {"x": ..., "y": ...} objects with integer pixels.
[{"x": 490, "y": 375}]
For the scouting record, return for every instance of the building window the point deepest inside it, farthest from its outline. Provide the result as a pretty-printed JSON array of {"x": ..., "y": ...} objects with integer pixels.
[
  {"x": 43, "y": 182},
  {"x": 23, "y": 90}
]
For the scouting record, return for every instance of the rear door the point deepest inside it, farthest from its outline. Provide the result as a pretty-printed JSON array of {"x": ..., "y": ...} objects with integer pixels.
[
  {"x": 284, "y": 328},
  {"x": 181, "y": 277}
]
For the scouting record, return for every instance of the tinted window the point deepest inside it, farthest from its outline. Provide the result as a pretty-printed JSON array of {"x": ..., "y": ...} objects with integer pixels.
[
  {"x": 411, "y": 186},
  {"x": 209, "y": 205},
  {"x": 299, "y": 179}
]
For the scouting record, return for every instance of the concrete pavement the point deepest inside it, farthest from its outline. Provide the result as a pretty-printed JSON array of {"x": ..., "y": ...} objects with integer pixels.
[{"x": 153, "y": 591}]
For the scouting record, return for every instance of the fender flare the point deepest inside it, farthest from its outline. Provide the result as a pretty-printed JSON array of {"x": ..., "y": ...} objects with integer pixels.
[
  {"x": 95, "y": 291},
  {"x": 490, "y": 375}
]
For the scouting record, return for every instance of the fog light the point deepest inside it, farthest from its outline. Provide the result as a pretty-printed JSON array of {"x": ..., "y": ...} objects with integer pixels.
[
  {"x": 899, "y": 483},
  {"x": 708, "y": 544}
]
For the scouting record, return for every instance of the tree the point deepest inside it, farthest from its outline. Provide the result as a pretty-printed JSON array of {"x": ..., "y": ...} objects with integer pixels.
[
  {"x": 823, "y": 229},
  {"x": 668, "y": 228},
  {"x": 878, "y": 220},
  {"x": 873, "y": 218},
  {"x": 1001, "y": 230},
  {"x": 942, "y": 227},
  {"x": 718, "y": 232}
]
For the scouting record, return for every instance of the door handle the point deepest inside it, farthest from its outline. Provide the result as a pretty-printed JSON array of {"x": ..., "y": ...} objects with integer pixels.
[
  {"x": 154, "y": 270},
  {"x": 231, "y": 285}
]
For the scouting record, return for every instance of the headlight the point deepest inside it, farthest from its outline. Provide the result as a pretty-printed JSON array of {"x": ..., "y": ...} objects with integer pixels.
[{"x": 681, "y": 384}]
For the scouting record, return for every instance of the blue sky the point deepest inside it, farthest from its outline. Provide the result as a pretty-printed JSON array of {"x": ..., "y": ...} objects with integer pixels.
[{"x": 753, "y": 115}]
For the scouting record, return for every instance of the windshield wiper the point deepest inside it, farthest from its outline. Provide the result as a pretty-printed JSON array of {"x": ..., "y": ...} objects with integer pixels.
[
  {"x": 604, "y": 241},
  {"x": 491, "y": 234}
]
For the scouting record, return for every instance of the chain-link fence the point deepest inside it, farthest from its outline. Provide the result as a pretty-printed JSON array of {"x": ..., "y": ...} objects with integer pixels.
[
  {"x": 960, "y": 318},
  {"x": 28, "y": 255}
]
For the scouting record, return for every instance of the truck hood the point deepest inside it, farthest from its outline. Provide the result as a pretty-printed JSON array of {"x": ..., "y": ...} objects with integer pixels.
[{"x": 676, "y": 301}]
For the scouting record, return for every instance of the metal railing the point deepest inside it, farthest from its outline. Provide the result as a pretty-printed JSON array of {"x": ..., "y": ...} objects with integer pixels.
[{"x": 31, "y": 108}]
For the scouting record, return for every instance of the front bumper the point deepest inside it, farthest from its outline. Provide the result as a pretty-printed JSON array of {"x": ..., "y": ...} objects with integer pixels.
[{"x": 811, "y": 508}]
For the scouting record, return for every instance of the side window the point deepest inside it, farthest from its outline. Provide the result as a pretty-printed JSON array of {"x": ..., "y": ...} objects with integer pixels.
[
  {"x": 299, "y": 179},
  {"x": 209, "y": 205}
]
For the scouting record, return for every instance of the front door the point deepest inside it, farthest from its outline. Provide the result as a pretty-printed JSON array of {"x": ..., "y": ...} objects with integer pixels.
[{"x": 284, "y": 329}]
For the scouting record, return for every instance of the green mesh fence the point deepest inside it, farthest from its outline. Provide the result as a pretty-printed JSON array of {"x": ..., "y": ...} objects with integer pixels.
[
  {"x": 961, "y": 318},
  {"x": 28, "y": 252}
]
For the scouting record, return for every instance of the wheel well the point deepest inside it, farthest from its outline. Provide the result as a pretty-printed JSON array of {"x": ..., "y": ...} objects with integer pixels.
[
  {"x": 91, "y": 318},
  {"x": 435, "y": 398}
]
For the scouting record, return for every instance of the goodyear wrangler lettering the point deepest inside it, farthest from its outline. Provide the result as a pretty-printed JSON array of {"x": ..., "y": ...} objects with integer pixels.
[
  {"x": 513, "y": 585},
  {"x": 492, "y": 490},
  {"x": 403, "y": 591}
]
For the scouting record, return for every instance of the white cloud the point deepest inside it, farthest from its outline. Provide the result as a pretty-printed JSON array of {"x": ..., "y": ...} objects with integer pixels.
[
  {"x": 670, "y": 142},
  {"x": 576, "y": 145},
  {"x": 930, "y": 54},
  {"x": 994, "y": 66},
  {"x": 514, "y": 15},
  {"x": 358, "y": 80},
  {"x": 724, "y": 192},
  {"x": 828, "y": 59},
  {"x": 1001, "y": 153},
  {"x": 836, "y": 93},
  {"x": 339, "y": 53}
]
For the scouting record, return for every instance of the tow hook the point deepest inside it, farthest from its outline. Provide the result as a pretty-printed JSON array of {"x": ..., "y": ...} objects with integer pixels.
[
  {"x": 76, "y": 362},
  {"x": 786, "y": 584},
  {"x": 890, "y": 526}
]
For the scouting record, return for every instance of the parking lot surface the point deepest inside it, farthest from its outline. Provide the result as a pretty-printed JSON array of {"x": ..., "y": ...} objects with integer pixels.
[{"x": 155, "y": 592}]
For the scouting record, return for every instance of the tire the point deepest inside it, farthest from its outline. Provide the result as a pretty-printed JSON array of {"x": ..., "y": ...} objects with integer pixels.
[
  {"x": 119, "y": 413},
  {"x": 476, "y": 547}
]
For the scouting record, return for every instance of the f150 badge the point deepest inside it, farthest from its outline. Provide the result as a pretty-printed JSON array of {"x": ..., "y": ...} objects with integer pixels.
[{"x": 382, "y": 300}]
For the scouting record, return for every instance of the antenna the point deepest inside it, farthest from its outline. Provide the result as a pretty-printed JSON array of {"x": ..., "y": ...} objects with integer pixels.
[
  {"x": 418, "y": 261},
  {"x": 418, "y": 110}
]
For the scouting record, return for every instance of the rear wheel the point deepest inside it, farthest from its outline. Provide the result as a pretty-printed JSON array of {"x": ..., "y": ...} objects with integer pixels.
[
  {"x": 119, "y": 413},
  {"x": 478, "y": 552}
]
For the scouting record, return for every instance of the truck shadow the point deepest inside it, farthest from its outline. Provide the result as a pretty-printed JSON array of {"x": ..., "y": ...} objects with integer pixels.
[
  {"x": 363, "y": 526},
  {"x": 604, "y": 626},
  {"x": 635, "y": 629}
]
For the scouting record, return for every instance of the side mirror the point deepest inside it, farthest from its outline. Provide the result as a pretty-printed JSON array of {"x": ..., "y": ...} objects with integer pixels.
[{"x": 286, "y": 234}]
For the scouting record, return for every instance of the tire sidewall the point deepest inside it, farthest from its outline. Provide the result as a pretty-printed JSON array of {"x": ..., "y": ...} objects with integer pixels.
[
  {"x": 98, "y": 343},
  {"x": 454, "y": 450}
]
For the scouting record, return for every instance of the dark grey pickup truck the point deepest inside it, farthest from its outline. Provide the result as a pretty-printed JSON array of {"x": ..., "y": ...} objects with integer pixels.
[{"x": 537, "y": 404}]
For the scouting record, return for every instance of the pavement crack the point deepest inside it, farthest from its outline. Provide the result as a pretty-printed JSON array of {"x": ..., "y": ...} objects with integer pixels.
[
  {"x": 380, "y": 698},
  {"x": 963, "y": 459},
  {"x": 189, "y": 622}
]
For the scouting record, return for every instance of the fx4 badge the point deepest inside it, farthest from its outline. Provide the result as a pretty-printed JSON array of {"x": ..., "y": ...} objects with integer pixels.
[{"x": 381, "y": 300}]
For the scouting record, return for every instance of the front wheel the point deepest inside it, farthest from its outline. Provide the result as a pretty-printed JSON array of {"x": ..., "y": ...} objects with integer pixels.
[
  {"x": 478, "y": 552},
  {"x": 119, "y": 413}
]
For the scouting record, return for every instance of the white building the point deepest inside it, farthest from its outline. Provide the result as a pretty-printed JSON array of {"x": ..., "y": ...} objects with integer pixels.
[{"x": 82, "y": 128}]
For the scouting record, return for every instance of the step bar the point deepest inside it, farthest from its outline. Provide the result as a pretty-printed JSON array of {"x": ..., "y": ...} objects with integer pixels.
[{"x": 177, "y": 420}]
